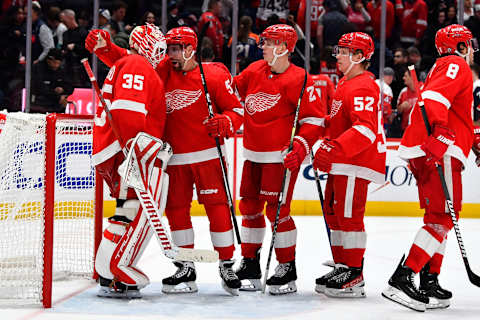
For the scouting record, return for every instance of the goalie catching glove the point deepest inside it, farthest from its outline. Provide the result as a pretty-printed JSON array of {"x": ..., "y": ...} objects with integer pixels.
[
  {"x": 437, "y": 144},
  {"x": 219, "y": 125}
]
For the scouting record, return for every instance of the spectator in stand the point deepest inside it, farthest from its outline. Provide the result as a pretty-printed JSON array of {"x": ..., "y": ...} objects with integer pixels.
[
  {"x": 415, "y": 58},
  {"x": 215, "y": 29},
  {"x": 174, "y": 20},
  {"x": 476, "y": 93},
  {"x": 332, "y": 25},
  {"x": 374, "y": 9},
  {"x": 207, "y": 53},
  {"x": 328, "y": 65},
  {"x": 247, "y": 45},
  {"x": 406, "y": 99},
  {"x": 119, "y": 9},
  {"x": 50, "y": 84},
  {"x": 148, "y": 17},
  {"x": 451, "y": 15},
  {"x": 467, "y": 10},
  {"x": 120, "y": 38},
  {"x": 104, "y": 19},
  {"x": 414, "y": 22},
  {"x": 400, "y": 60},
  {"x": 42, "y": 38},
  {"x": 428, "y": 43},
  {"x": 56, "y": 26},
  {"x": 74, "y": 48},
  {"x": 356, "y": 14},
  {"x": 317, "y": 10},
  {"x": 474, "y": 25},
  {"x": 266, "y": 9},
  {"x": 388, "y": 114}
]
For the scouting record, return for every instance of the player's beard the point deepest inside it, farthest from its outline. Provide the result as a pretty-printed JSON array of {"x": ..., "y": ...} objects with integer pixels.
[{"x": 177, "y": 64}]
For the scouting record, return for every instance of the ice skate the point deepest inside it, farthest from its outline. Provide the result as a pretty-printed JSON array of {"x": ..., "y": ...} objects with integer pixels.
[
  {"x": 115, "y": 289},
  {"x": 403, "y": 291},
  {"x": 346, "y": 283},
  {"x": 250, "y": 271},
  {"x": 439, "y": 298},
  {"x": 183, "y": 281},
  {"x": 230, "y": 281},
  {"x": 321, "y": 283},
  {"x": 283, "y": 281}
]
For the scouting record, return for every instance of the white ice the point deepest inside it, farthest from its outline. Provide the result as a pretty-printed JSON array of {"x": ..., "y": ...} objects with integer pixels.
[{"x": 388, "y": 239}]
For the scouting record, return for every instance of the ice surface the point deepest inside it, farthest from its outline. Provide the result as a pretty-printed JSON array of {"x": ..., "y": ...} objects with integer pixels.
[{"x": 388, "y": 239}]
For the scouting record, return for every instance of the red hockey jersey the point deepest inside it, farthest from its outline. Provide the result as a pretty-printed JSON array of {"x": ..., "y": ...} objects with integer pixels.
[
  {"x": 448, "y": 98},
  {"x": 135, "y": 96},
  {"x": 214, "y": 31},
  {"x": 316, "y": 11},
  {"x": 355, "y": 123},
  {"x": 187, "y": 111},
  {"x": 332, "y": 72},
  {"x": 270, "y": 104},
  {"x": 414, "y": 21},
  {"x": 325, "y": 90}
]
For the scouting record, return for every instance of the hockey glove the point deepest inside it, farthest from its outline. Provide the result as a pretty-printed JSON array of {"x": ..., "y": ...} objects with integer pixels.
[
  {"x": 98, "y": 41},
  {"x": 476, "y": 144},
  {"x": 219, "y": 125},
  {"x": 325, "y": 155},
  {"x": 437, "y": 144},
  {"x": 293, "y": 159}
]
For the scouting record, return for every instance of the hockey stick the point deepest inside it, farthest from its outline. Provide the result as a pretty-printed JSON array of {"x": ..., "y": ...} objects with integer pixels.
[
  {"x": 226, "y": 184},
  {"x": 474, "y": 279},
  {"x": 320, "y": 196},
  {"x": 282, "y": 192},
  {"x": 146, "y": 199}
]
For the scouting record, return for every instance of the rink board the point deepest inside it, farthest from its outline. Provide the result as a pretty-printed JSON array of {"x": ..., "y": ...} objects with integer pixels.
[{"x": 397, "y": 197}]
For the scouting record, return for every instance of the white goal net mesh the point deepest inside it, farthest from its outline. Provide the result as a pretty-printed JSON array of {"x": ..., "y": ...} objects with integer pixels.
[{"x": 23, "y": 161}]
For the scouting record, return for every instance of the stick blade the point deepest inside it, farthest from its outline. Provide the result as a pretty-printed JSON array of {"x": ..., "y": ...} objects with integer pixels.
[{"x": 195, "y": 255}]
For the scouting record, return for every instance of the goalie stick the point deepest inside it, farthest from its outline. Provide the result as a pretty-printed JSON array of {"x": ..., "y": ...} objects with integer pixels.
[
  {"x": 474, "y": 279},
  {"x": 282, "y": 193},
  {"x": 226, "y": 185},
  {"x": 146, "y": 199}
]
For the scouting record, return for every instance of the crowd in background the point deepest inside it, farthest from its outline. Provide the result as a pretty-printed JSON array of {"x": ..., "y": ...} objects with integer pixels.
[{"x": 60, "y": 27}]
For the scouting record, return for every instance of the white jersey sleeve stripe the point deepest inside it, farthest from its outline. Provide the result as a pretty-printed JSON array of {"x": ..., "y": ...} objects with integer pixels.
[
  {"x": 436, "y": 96},
  {"x": 129, "y": 105},
  {"x": 312, "y": 120},
  {"x": 366, "y": 132}
]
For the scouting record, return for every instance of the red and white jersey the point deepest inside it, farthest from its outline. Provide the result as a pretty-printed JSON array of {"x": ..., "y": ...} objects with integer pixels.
[
  {"x": 270, "y": 103},
  {"x": 316, "y": 11},
  {"x": 214, "y": 31},
  {"x": 448, "y": 98},
  {"x": 325, "y": 90},
  {"x": 187, "y": 110},
  {"x": 268, "y": 7},
  {"x": 387, "y": 100},
  {"x": 411, "y": 97},
  {"x": 414, "y": 21},
  {"x": 135, "y": 95},
  {"x": 355, "y": 123},
  {"x": 333, "y": 73}
]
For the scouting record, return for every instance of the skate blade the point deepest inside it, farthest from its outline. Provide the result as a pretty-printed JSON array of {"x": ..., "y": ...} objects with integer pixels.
[
  {"x": 184, "y": 287},
  {"x": 251, "y": 285},
  {"x": 329, "y": 263},
  {"x": 401, "y": 298},
  {"x": 230, "y": 291},
  {"x": 290, "y": 287},
  {"x": 357, "y": 291},
  {"x": 320, "y": 288},
  {"x": 107, "y": 292},
  {"x": 435, "y": 303}
]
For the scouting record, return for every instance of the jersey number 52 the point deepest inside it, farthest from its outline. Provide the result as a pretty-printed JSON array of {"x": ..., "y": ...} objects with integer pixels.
[{"x": 363, "y": 103}]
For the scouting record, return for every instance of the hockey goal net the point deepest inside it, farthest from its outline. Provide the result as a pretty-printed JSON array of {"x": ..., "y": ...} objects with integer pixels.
[{"x": 50, "y": 204}]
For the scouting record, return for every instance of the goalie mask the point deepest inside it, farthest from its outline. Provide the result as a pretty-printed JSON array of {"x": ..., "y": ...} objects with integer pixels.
[{"x": 149, "y": 42}]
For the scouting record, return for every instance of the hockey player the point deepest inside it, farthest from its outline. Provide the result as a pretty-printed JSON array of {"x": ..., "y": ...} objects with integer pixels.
[
  {"x": 134, "y": 94},
  {"x": 195, "y": 159},
  {"x": 447, "y": 95},
  {"x": 270, "y": 89},
  {"x": 354, "y": 157}
]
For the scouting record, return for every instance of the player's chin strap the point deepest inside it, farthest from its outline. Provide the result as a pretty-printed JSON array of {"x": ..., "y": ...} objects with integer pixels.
[
  {"x": 191, "y": 56},
  {"x": 465, "y": 56},
  {"x": 276, "y": 56},
  {"x": 353, "y": 63}
]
